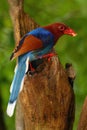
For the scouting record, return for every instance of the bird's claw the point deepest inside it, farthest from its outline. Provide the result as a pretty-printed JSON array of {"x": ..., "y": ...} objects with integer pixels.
[{"x": 49, "y": 55}]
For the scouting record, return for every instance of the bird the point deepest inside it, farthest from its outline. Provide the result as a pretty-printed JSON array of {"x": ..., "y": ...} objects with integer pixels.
[{"x": 36, "y": 44}]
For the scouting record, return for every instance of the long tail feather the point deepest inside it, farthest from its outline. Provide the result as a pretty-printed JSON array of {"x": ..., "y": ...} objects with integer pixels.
[
  {"x": 17, "y": 84},
  {"x": 15, "y": 70},
  {"x": 27, "y": 67},
  {"x": 10, "y": 108}
]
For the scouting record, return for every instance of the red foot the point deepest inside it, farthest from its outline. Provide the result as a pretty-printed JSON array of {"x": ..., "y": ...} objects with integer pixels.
[
  {"x": 49, "y": 55},
  {"x": 31, "y": 68}
]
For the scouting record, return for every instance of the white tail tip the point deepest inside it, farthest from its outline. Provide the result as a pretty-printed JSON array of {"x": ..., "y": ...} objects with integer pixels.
[{"x": 10, "y": 108}]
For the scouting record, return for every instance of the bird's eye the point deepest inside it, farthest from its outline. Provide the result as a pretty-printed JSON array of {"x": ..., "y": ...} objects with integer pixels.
[{"x": 61, "y": 28}]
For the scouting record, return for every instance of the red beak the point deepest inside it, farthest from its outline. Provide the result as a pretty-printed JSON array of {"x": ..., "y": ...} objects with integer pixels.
[{"x": 71, "y": 32}]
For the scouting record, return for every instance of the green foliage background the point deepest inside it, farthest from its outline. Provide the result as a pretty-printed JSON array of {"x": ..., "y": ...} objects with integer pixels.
[{"x": 72, "y": 50}]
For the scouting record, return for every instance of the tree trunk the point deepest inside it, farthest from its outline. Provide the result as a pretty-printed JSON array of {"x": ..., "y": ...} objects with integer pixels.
[
  {"x": 47, "y": 101},
  {"x": 83, "y": 118}
]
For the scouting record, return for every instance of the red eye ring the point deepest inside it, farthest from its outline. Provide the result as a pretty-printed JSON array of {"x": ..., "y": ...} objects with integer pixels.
[{"x": 61, "y": 28}]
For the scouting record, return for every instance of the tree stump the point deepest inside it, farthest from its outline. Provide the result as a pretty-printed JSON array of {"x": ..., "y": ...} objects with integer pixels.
[
  {"x": 47, "y": 99},
  {"x": 83, "y": 117}
]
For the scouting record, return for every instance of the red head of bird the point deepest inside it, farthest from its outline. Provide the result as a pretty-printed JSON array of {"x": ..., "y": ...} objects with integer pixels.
[{"x": 59, "y": 29}]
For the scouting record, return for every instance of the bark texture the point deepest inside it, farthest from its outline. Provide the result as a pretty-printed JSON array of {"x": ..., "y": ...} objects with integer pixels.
[
  {"x": 83, "y": 117},
  {"x": 47, "y": 101}
]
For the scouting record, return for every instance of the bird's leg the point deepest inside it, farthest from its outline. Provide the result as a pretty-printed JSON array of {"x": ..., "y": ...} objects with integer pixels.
[
  {"x": 49, "y": 55},
  {"x": 30, "y": 70},
  {"x": 31, "y": 67}
]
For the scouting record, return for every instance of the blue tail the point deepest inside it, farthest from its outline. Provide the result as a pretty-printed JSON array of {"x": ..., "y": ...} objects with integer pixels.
[{"x": 17, "y": 83}]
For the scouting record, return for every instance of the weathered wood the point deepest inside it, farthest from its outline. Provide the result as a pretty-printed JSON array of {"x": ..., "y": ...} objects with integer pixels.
[
  {"x": 22, "y": 23},
  {"x": 83, "y": 117},
  {"x": 47, "y": 101}
]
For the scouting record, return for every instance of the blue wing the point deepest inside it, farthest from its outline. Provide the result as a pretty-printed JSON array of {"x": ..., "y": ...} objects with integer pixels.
[{"x": 38, "y": 38}]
